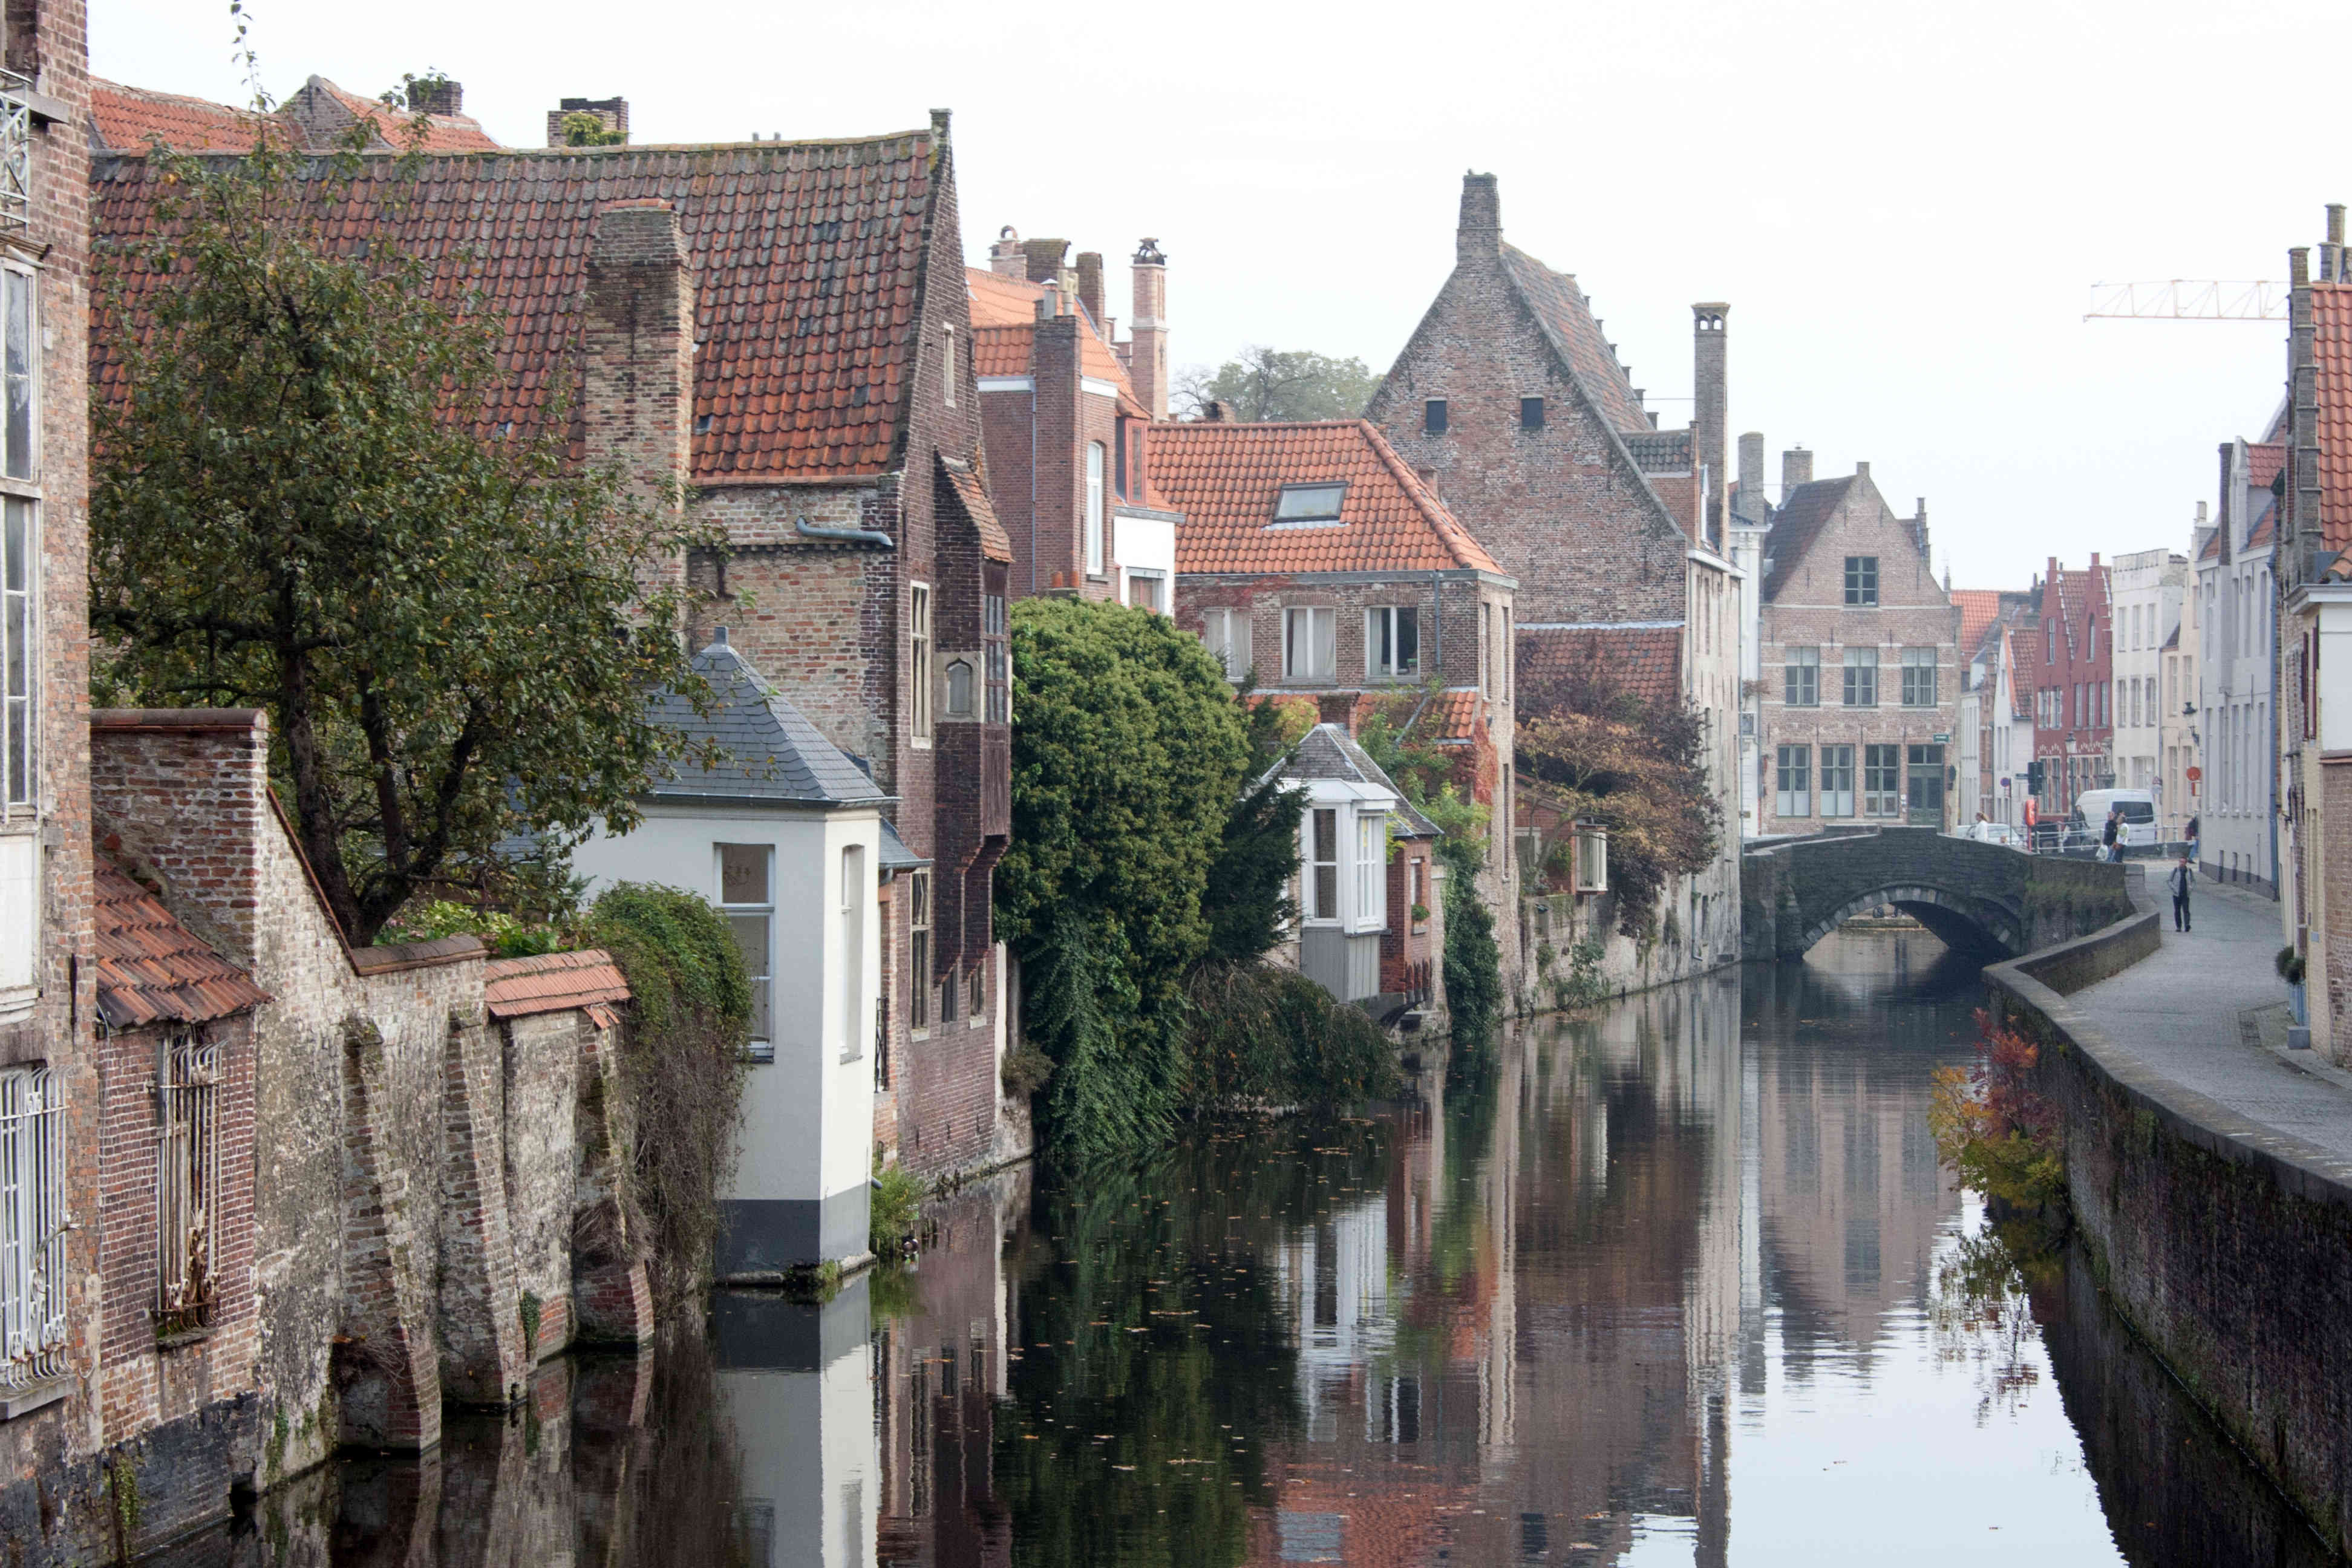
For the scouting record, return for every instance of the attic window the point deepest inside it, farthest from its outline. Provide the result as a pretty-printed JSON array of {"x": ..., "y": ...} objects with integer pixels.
[
  {"x": 1433, "y": 416},
  {"x": 1309, "y": 506},
  {"x": 702, "y": 423},
  {"x": 1530, "y": 413}
]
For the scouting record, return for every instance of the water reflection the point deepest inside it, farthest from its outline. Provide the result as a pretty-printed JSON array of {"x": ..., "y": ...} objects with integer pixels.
[{"x": 1677, "y": 1283}]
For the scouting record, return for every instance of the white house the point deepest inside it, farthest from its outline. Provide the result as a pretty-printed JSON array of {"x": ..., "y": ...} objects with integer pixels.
[
  {"x": 2238, "y": 645},
  {"x": 784, "y": 834},
  {"x": 1343, "y": 861}
]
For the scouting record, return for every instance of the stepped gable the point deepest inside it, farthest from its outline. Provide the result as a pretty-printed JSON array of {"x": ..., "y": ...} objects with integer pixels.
[
  {"x": 1566, "y": 316},
  {"x": 752, "y": 744},
  {"x": 1226, "y": 478},
  {"x": 806, "y": 260},
  {"x": 150, "y": 969},
  {"x": 1803, "y": 512}
]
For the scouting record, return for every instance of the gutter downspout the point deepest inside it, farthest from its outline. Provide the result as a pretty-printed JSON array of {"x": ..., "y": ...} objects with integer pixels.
[
  {"x": 807, "y": 530},
  {"x": 1437, "y": 622},
  {"x": 1033, "y": 472}
]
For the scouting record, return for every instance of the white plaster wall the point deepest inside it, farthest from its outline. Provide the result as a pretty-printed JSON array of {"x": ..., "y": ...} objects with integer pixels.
[
  {"x": 808, "y": 1116},
  {"x": 808, "y": 1450},
  {"x": 1147, "y": 545}
]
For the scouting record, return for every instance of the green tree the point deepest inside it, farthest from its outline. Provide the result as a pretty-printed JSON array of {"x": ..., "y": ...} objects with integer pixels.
[
  {"x": 303, "y": 504},
  {"x": 1267, "y": 384},
  {"x": 1127, "y": 755},
  {"x": 1247, "y": 899}
]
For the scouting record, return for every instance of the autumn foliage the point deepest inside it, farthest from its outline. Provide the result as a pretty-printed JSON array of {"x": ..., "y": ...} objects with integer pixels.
[{"x": 1993, "y": 1127}]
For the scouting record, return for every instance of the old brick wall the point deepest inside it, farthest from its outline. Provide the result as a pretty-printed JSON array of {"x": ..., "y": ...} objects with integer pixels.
[{"x": 1807, "y": 609}]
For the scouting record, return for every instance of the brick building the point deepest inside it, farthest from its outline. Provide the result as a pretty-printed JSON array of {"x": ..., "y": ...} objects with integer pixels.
[
  {"x": 2314, "y": 640},
  {"x": 2073, "y": 720},
  {"x": 1311, "y": 554},
  {"x": 1510, "y": 404},
  {"x": 1995, "y": 736},
  {"x": 319, "y": 117},
  {"x": 2237, "y": 577},
  {"x": 1861, "y": 659},
  {"x": 781, "y": 335},
  {"x": 1064, "y": 422}
]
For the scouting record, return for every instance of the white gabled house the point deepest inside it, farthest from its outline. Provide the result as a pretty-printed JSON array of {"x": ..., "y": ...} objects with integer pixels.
[
  {"x": 783, "y": 832},
  {"x": 1364, "y": 930}
]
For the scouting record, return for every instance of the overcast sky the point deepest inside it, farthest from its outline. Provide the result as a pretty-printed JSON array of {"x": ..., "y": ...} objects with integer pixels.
[{"x": 1906, "y": 205}]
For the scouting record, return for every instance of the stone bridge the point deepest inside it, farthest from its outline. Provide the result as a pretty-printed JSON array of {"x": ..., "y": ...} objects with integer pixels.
[{"x": 1979, "y": 898}]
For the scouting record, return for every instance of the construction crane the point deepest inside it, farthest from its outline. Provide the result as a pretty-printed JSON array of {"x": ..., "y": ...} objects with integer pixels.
[{"x": 2189, "y": 299}]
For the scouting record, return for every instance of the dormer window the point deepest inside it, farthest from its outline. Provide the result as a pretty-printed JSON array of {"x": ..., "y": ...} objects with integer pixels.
[{"x": 1309, "y": 506}]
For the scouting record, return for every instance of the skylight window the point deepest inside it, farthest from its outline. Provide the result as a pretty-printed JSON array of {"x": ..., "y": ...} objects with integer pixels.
[{"x": 1309, "y": 506}]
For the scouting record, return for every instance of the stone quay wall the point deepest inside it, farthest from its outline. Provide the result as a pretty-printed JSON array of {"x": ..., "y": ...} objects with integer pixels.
[{"x": 2222, "y": 1243}]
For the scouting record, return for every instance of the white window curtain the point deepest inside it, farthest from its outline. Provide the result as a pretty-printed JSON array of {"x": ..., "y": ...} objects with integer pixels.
[
  {"x": 1309, "y": 643},
  {"x": 1226, "y": 634},
  {"x": 1372, "y": 869}
]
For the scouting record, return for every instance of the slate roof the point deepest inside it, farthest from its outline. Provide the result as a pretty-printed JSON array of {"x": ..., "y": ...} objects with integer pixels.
[
  {"x": 1803, "y": 512},
  {"x": 2331, "y": 314},
  {"x": 1660, "y": 451},
  {"x": 150, "y": 969},
  {"x": 772, "y": 752},
  {"x": 1979, "y": 607},
  {"x": 1329, "y": 751},
  {"x": 552, "y": 983},
  {"x": 807, "y": 261},
  {"x": 125, "y": 117},
  {"x": 1647, "y": 662},
  {"x": 972, "y": 490},
  {"x": 1565, "y": 317},
  {"x": 1226, "y": 480},
  {"x": 896, "y": 855},
  {"x": 1004, "y": 334}
]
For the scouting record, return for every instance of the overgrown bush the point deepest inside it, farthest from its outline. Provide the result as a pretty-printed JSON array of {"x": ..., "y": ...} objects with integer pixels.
[
  {"x": 1265, "y": 1036},
  {"x": 895, "y": 1208},
  {"x": 1474, "y": 965},
  {"x": 1993, "y": 1128},
  {"x": 683, "y": 1057}
]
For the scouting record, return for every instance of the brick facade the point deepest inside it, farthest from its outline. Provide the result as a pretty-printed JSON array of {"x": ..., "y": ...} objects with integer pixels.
[
  {"x": 2073, "y": 727},
  {"x": 1889, "y": 744}
]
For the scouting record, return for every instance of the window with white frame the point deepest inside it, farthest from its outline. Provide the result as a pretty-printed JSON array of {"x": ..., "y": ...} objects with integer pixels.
[
  {"x": 1590, "y": 858},
  {"x": 1393, "y": 642},
  {"x": 855, "y": 892},
  {"x": 1800, "y": 678},
  {"x": 1309, "y": 643},
  {"x": 747, "y": 898},
  {"x": 919, "y": 966},
  {"x": 1147, "y": 591},
  {"x": 1372, "y": 869},
  {"x": 33, "y": 1222},
  {"x": 1486, "y": 650},
  {"x": 1226, "y": 635},
  {"x": 1837, "y": 781},
  {"x": 19, "y": 654},
  {"x": 918, "y": 658},
  {"x": 996, "y": 671},
  {"x": 961, "y": 686},
  {"x": 1094, "y": 509},
  {"x": 1862, "y": 677},
  {"x": 1323, "y": 863},
  {"x": 1919, "y": 678},
  {"x": 1794, "y": 797},
  {"x": 1882, "y": 781},
  {"x": 18, "y": 381},
  {"x": 187, "y": 1183}
]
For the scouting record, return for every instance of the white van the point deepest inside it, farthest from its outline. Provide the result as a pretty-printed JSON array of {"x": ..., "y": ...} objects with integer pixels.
[{"x": 2138, "y": 806}]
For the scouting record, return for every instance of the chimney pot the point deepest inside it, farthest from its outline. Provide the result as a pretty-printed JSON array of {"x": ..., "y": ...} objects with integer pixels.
[
  {"x": 1709, "y": 415},
  {"x": 1044, "y": 259},
  {"x": 2335, "y": 223},
  {"x": 1004, "y": 257},
  {"x": 1796, "y": 468},
  {"x": 612, "y": 113},
  {"x": 1862, "y": 470},
  {"x": 1479, "y": 231},
  {"x": 435, "y": 95},
  {"x": 1090, "y": 284}
]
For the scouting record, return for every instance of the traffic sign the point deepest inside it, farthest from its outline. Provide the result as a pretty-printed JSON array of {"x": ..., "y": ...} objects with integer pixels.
[{"x": 2194, "y": 775}]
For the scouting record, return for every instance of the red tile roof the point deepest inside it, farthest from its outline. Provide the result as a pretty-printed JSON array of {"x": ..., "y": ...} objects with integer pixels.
[
  {"x": 1566, "y": 316},
  {"x": 442, "y": 133},
  {"x": 970, "y": 489},
  {"x": 807, "y": 259},
  {"x": 2331, "y": 313},
  {"x": 152, "y": 969},
  {"x": 1979, "y": 607},
  {"x": 550, "y": 983},
  {"x": 1226, "y": 480},
  {"x": 1645, "y": 661},
  {"x": 125, "y": 118},
  {"x": 2263, "y": 461},
  {"x": 1004, "y": 331},
  {"x": 1450, "y": 715},
  {"x": 2212, "y": 551}
]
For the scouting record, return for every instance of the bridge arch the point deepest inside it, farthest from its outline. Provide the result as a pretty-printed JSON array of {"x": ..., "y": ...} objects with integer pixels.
[{"x": 1960, "y": 921}]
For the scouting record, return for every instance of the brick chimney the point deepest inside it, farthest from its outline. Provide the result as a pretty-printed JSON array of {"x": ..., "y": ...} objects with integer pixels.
[
  {"x": 1709, "y": 415},
  {"x": 1004, "y": 257},
  {"x": 1147, "y": 358},
  {"x": 612, "y": 113},
  {"x": 1044, "y": 259},
  {"x": 1479, "y": 231},
  {"x": 1090, "y": 285},
  {"x": 2331, "y": 252},
  {"x": 1796, "y": 468},
  {"x": 1753, "y": 507},
  {"x": 435, "y": 95},
  {"x": 637, "y": 391}
]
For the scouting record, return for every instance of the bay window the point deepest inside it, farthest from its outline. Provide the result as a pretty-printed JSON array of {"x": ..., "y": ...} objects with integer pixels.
[
  {"x": 1372, "y": 869},
  {"x": 1323, "y": 863},
  {"x": 746, "y": 897}
]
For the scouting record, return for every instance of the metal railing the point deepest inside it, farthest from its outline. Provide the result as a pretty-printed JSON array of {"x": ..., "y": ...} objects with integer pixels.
[
  {"x": 187, "y": 1176},
  {"x": 32, "y": 1227},
  {"x": 16, "y": 151}
]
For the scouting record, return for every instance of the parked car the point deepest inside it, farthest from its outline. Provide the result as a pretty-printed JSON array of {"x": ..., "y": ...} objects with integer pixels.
[{"x": 2138, "y": 808}]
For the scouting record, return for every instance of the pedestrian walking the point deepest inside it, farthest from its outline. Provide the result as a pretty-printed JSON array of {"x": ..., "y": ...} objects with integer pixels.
[
  {"x": 2180, "y": 880},
  {"x": 2111, "y": 850}
]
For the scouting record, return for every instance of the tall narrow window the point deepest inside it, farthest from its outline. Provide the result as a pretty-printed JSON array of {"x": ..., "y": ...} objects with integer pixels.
[
  {"x": 1837, "y": 781},
  {"x": 856, "y": 893},
  {"x": 1310, "y": 636},
  {"x": 919, "y": 671},
  {"x": 1800, "y": 678},
  {"x": 1119, "y": 463},
  {"x": 1861, "y": 579},
  {"x": 16, "y": 370},
  {"x": 960, "y": 686},
  {"x": 747, "y": 896},
  {"x": 997, "y": 670},
  {"x": 1919, "y": 678},
  {"x": 1531, "y": 412},
  {"x": 1094, "y": 509},
  {"x": 1372, "y": 870},
  {"x": 1882, "y": 781},
  {"x": 1393, "y": 642},
  {"x": 1486, "y": 650},
  {"x": 1226, "y": 635},
  {"x": 947, "y": 366},
  {"x": 1861, "y": 679},
  {"x": 1508, "y": 653},
  {"x": 187, "y": 1183},
  {"x": 1323, "y": 863},
  {"x": 1794, "y": 796},
  {"x": 919, "y": 966},
  {"x": 33, "y": 1285},
  {"x": 1433, "y": 416},
  {"x": 18, "y": 654}
]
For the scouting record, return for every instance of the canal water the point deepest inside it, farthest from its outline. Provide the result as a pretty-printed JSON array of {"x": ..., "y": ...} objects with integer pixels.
[{"x": 1680, "y": 1282}]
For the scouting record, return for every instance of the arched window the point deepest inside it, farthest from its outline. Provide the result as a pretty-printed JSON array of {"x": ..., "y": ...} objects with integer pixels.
[
  {"x": 1094, "y": 509},
  {"x": 959, "y": 688}
]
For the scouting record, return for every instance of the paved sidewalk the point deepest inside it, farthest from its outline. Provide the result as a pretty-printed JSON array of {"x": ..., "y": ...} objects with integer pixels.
[{"x": 2184, "y": 1011}]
